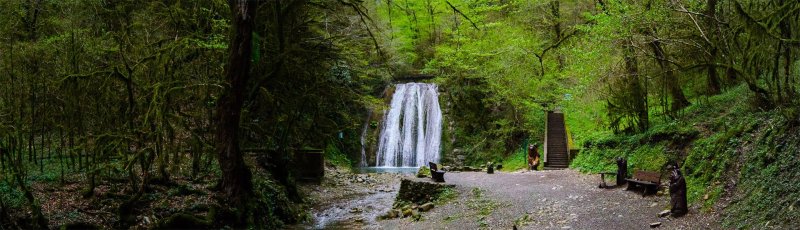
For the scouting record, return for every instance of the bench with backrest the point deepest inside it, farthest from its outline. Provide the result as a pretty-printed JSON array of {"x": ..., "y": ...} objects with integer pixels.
[
  {"x": 436, "y": 174},
  {"x": 650, "y": 181}
]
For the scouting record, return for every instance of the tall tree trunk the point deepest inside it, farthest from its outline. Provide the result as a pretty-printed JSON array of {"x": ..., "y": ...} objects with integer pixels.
[
  {"x": 788, "y": 55},
  {"x": 679, "y": 100},
  {"x": 236, "y": 182},
  {"x": 638, "y": 96},
  {"x": 714, "y": 86}
]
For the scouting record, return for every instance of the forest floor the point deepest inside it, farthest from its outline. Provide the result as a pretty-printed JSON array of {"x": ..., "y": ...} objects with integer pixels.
[
  {"x": 559, "y": 199},
  {"x": 64, "y": 204}
]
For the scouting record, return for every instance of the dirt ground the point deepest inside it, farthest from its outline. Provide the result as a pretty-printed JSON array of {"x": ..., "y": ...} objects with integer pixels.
[{"x": 558, "y": 199}]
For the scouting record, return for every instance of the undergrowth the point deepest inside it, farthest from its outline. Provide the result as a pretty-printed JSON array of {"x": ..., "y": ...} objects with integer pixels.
[
  {"x": 726, "y": 148},
  {"x": 519, "y": 160},
  {"x": 336, "y": 157}
]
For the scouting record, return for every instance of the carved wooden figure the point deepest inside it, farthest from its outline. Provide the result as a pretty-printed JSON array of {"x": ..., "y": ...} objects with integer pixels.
[{"x": 677, "y": 192}]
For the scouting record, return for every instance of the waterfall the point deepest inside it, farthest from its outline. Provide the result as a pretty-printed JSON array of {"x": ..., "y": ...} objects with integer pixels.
[{"x": 412, "y": 128}]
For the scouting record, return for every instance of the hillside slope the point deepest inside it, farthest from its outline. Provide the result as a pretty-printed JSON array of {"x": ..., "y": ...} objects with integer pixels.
[{"x": 739, "y": 162}]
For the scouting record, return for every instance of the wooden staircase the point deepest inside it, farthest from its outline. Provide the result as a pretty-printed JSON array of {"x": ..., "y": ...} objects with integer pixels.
[{"x": 556, "y": 142}]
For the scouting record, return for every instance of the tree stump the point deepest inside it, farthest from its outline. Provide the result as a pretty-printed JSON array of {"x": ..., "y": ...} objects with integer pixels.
[{"x": 622, "y": 170}]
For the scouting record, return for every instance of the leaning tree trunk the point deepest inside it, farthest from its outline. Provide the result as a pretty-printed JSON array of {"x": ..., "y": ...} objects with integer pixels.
[
  {"x": 235, "y": 184},
  {"x": 679, "y": 100}
]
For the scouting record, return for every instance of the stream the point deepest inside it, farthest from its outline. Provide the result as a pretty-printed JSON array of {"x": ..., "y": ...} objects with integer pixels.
[{"x": 346, "y": 200}]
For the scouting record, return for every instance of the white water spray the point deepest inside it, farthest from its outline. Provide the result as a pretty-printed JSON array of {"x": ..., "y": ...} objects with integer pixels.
[{"x": 412, "y": 128}]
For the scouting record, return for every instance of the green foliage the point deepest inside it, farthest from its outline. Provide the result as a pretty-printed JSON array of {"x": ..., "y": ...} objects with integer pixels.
[
  {"x": 10, "y": 195},
  {"x": 768, "y": 192},
  {"x": 337, "y": 157},
  {"x": 519, "y": 160},
  {"x": 728, "y": 150},
  {"x": 423, "y": 172},
  {"x": 273, "y": 208},
  {"x": 516, "y": 161}
]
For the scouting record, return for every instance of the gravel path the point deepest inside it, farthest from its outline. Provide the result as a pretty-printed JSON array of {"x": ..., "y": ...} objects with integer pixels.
[{"x": 559, "y": 199}]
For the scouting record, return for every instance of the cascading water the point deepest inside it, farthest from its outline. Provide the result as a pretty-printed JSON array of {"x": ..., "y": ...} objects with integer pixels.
[{"x": 412, "y": 128}]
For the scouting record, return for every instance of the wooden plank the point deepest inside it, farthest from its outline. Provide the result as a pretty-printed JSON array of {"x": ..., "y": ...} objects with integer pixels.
[
  {"x": 654, "y": 177},
  {"x": 640, "y": 182}
]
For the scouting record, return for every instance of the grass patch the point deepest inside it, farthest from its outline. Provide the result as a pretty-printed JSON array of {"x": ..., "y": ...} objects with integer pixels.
[
  {"x": 451, "y": 218},
  {"x": 516, "y": 161},
  {"x": 519, "y": 161},
  {"x": 523, "y": 220},
  {"x": 482, "y": 205},
  {"x": 446, "y": 195}
]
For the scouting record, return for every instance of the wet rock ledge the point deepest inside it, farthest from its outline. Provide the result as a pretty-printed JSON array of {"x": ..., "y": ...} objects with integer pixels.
[{"x": 415, "y": 196}]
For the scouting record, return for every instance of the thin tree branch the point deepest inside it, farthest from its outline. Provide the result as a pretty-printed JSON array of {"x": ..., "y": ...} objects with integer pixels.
[{"x": 462, "y": 15}]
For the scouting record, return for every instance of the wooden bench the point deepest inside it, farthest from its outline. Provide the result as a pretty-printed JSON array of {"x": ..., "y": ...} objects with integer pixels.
[
  {"x": 649, "y": 180},
  {"x": 436, "y": 174}
]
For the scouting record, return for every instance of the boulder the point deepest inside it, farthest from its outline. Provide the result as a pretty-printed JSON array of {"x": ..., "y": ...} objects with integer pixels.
[
  {"x": 420, "y": 192},
  {"x": 389, "y": 215},
  {"x": 407, "y": 213},
  {"x": 415, "y": 215},
  {"x": 426, "y": 207}
]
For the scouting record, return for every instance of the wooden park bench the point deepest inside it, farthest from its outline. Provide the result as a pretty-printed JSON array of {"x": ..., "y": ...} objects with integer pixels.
[
  {"x": 647, "y": 179},
  {"x": 436, "y": 174}
]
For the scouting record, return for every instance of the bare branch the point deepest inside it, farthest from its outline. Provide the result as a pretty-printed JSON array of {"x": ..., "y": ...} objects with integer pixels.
[{"x": 462, "y": 15}]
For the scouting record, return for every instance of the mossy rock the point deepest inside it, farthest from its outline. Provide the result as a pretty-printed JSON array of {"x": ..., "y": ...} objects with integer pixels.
[
  {"x": 420, "y": 192},
  {"x": 423, "y": 172}
]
